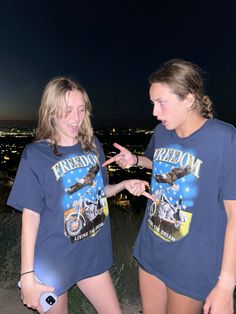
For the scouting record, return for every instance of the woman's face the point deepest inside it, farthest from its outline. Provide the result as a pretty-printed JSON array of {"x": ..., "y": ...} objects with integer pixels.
[
  {"x": 168, "y": 108},
  {"x": 67, "y": 126}
]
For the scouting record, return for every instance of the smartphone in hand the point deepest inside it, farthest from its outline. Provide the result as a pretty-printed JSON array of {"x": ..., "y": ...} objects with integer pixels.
[{"x": 47, "y": 299}]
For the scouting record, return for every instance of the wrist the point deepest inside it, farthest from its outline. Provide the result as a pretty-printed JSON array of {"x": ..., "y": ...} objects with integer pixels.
[
  {"x": 226, "y": 281},
  {"x": 124, "y": 184},
  {"x": 27, "y": 272},
  {"x": 136, "y": 160}
]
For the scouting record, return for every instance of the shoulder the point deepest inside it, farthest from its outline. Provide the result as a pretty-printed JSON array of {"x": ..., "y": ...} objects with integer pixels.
[
  {"x": 35, "y": 149},
  {"x": 223, "y": 130},
  {"x": 97, "y": 142}
]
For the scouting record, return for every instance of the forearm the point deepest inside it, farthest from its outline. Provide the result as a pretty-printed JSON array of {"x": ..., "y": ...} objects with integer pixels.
[
  {"x": 30, "y": 224},
  {"x": 220, "y": 299},
  {"x": 112, "y": 189},
  {"x": 228, "y": 266},
  {"x": 134, "y": 186},
  {"x": 229, "y": 257},
  {"x": 143, "y": 161}
]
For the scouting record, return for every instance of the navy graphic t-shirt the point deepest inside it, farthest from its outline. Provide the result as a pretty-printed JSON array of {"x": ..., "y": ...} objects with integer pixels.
[
  {"x": 74, "y": 239},
  {"x": 182, "y": 234}
]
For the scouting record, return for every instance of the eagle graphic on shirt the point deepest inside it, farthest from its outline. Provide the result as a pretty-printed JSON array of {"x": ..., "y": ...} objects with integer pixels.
[
  {"x": 85, "y": 201},
  {"x": 86, "y": 180},
  {"x": 169, "y": 217}
]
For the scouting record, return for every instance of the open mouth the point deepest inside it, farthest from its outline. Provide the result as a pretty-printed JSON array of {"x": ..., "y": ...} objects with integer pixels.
[{"x": 163, "y": 122}]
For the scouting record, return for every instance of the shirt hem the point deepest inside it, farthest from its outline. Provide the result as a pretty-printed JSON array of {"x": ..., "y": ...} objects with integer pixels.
[
  {"x": 96, "y": 273},
  {"x": 170, "y": 284}
]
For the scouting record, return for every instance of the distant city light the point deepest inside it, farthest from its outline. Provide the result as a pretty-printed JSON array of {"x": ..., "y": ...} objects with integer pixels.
[{"x": 15, "y": 139}]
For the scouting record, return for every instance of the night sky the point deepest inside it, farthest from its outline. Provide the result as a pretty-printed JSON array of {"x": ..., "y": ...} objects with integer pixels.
[{"x": 111, "y": 47}]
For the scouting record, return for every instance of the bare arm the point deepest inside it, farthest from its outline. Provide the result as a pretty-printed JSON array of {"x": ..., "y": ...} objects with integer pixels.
[
  {"x": 220, "y": 300},
  {"x": 229, "y": 257},
  {"x": 136, "y": 187},
  {"x": 126, "y": 159},
  {"x": 145, "y": 162},
  {"x": 30, "y": 224},
  {"x": 31, "y": 290}
]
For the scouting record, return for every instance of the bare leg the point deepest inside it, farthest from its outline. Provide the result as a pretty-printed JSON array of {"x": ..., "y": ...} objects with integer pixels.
[
  {"x": 178, "y": 303},
  {"x": 61, "y": 307},
  {"x": 99, "y": 290},
  {"x": 153, "y": 293}
]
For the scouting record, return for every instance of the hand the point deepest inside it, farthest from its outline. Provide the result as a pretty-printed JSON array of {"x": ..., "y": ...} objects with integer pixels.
[
  {"x": 137, "y": 188},
  {"x": 124, "y": 159},
  {"x": 31, "y": 291},
  {"x": 219, "y": 301}
]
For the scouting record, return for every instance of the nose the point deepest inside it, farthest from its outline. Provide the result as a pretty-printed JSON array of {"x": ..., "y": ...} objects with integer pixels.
[
  {"x": 156, "y": 110},
  {"x": 76, "y": 115}
]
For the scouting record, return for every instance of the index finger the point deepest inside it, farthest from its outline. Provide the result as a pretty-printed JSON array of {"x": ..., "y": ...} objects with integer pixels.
[
  {"x": 148, "y": 195},
  {"x": 108, "y": 161}
]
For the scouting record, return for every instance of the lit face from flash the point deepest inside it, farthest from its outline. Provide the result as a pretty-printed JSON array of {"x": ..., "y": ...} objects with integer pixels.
[
  {"x": 68, "y": 124},
  {"x": 167, "y": 107}
]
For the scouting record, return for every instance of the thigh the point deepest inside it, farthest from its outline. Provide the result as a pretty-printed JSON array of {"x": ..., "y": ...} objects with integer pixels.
[
  {"x": 99, "y": 290},
  {"x": 61, "y": 307},
  {"x": 178, "y": 303},
  {"x": 153, "y": 293}
]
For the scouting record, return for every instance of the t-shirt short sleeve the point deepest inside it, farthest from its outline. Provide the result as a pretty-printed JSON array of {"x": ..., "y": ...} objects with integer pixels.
[
  {"x": 229, "y": 173},
  {"x": 27, "y": 190},
  {"x": 150, "y": 148},
  {"x": 101, "y": 160}
]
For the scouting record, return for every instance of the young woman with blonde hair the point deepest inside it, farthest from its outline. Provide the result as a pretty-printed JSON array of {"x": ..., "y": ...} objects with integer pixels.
[{"x": 62, "y": 192}]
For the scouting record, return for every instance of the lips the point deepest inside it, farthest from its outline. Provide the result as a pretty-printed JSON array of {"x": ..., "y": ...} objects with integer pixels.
[
  {"x": 162, "y": 121},
  {"x": 74, "y": 127}
]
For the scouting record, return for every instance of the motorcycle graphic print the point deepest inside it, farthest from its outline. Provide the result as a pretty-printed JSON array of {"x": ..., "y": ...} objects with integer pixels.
[
  {"x": 174, "y": 187},
  {"x": 84, "y": 201}
]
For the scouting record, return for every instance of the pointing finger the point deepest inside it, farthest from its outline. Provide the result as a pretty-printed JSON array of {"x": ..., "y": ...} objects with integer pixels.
[
  {"x": 108, "y": 161},
  {"x": 148, "y": 195}
]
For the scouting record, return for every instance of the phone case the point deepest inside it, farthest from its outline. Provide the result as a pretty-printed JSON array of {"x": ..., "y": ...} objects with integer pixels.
[{"x": 47, "y": 299}]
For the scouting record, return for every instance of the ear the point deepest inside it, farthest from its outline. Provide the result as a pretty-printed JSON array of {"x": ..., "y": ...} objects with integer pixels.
[{"x": 189, "y": 100}]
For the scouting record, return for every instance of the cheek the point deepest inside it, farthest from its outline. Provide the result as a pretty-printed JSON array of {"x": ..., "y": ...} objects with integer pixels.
[
  {"x": 167, "y": 111},
  {"x": 82, "y": 116}
]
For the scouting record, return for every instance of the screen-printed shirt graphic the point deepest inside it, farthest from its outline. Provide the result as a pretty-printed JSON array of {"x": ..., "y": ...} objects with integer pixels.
[
  {"x": 68, "y": 193},
  {"x": 181, "y": 239},
  {"x": 174, "y": 186},
  {"x": 84, "y": 201}
]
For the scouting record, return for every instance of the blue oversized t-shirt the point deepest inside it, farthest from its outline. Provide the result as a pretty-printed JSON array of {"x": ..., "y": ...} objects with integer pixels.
[
  {"x": 74, "y": 239},
  {"x": 182, "y": 234}
]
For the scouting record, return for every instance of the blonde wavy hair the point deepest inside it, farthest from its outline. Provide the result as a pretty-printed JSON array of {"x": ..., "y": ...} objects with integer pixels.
[
  {"x": 184, "y": 78},
  {"x": 53, "y": 103}
]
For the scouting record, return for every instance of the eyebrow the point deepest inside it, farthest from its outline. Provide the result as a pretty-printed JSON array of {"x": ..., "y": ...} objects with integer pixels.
[
  {"x": 70, "y": 106},
  {"x": 158, "y": 99}
]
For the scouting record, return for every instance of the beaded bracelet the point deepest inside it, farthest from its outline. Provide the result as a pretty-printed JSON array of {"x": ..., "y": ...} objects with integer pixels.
[{"x": 27, "y": 272}]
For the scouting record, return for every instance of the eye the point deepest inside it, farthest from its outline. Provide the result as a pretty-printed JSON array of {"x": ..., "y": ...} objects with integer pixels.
[{"x": 162, "y": 103}]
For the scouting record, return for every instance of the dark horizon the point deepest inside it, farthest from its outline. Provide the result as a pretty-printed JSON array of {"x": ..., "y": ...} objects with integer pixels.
[
  {"x": 111, "y": 49},
  {"x": 33, "y": 124},
  {"x": 18, "y": 123}
]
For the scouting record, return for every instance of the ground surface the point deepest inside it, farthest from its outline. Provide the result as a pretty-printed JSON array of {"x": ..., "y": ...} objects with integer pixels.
[{"x": 10, "y": 303}]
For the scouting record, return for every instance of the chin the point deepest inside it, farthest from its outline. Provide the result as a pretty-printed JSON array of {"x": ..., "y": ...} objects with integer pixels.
[{"x": 167, "y": 126}]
